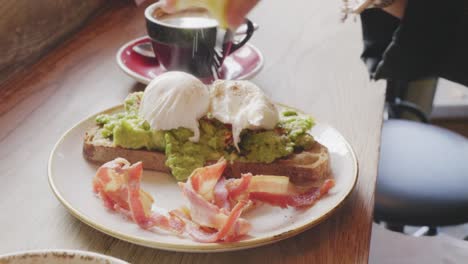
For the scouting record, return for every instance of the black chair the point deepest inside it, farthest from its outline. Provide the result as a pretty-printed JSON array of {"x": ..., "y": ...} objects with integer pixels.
[{"x": 423, "y": 173}]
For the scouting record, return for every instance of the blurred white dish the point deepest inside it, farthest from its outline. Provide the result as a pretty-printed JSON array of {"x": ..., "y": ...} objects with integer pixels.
[{"x": 58, "y": 256}]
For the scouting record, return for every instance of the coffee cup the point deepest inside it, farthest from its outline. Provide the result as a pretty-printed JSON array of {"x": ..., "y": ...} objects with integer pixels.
[{"x": 190, "y": 40}]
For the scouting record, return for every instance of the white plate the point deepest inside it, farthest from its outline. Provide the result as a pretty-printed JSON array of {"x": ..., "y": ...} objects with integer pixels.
[
  {"x": 58, "y": 257},
  {"x": 70, "y": 177}
]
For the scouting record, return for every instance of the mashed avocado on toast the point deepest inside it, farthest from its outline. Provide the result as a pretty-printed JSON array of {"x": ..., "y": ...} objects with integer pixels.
[{"x": 128, "y": 130}]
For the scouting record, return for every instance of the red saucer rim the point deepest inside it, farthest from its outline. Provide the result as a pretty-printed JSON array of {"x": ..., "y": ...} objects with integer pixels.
[{"x": 142, "y": 79}]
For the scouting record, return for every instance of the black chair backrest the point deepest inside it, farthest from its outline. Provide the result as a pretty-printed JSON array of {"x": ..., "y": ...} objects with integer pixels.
[{"x": 397, "y": 106}]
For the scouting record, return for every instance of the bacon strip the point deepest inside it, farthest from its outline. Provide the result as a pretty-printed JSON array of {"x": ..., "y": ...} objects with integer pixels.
[
  {"x": 145, "y": 221},
  {"x": 211, "y": 197},
  {"x": 134, "y": 201},
  {"x": 194, "y": 230},
  {"x": 201, "y": 211},
  {"x": 241, "y": 187},
  {"x": 307, "y": 198},
  {"x": 203, "y": 180},
  {"x": 271, "y": 184},
  {"x": 221, "y": 195},
  {"x": 108, "y": 202},
  {"x": 206, "y": 214},
  {"x": 110, "y": 184},
  {"x": 231, "y": 220},
  {"x": 118, "y": 185},
  {"x": 229, "y": 232}
]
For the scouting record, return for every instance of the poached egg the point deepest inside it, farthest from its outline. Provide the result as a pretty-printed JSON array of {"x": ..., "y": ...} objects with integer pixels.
[
  {"x": 173, "y": 100},
  {"x": 243, "y": 105}
]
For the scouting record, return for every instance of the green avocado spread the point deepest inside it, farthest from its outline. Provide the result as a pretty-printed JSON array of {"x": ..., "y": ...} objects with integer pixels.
[{"x": 128, "y": 130}]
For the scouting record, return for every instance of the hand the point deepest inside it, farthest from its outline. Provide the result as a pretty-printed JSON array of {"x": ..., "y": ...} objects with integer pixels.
[
  {"x": 395, "y": 8},
  {"x": 237, "y": 10},
  {"x": 234, "y": 10}
]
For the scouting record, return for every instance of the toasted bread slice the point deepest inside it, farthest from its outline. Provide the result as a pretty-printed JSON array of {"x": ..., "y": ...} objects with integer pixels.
[{"x": 310, "y": 165}]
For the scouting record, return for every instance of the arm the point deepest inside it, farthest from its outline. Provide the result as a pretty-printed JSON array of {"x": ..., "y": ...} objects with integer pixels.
[{"x": 430, "y": 40}]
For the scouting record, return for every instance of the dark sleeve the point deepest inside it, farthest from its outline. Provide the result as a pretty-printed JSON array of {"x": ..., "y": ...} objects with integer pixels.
[{"x": 430, "y": 41}]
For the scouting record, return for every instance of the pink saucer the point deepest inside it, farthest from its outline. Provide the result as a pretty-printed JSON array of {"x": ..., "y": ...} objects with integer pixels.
[{"x": 242, "y": 64}]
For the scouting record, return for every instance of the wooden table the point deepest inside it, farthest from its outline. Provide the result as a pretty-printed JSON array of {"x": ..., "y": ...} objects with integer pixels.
[{"x": 311, "y": 62}]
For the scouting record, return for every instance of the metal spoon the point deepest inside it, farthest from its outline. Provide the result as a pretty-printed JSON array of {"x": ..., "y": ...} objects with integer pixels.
[{"x": 146, "y": 49}]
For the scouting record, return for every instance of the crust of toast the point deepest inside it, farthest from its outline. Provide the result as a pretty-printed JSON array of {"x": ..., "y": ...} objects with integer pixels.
[{"x": 310, "y": 165}]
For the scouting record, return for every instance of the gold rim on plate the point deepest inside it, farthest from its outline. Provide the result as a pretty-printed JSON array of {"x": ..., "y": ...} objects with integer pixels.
[{"x": 208, "y": 247}]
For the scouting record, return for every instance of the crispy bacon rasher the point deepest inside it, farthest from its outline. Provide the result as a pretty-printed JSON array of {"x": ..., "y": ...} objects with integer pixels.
[
  {"x": 118, "y": 185},
  {"x": 209, "y": 207},
  {"x": 216, "y": 203}
]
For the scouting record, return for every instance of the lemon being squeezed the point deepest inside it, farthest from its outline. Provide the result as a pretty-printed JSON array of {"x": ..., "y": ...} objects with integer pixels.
[{"x": 229, "y": 14}]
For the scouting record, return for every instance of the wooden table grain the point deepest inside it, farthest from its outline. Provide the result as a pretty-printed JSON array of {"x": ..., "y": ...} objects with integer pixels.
[{"x": 311, "y": 62}]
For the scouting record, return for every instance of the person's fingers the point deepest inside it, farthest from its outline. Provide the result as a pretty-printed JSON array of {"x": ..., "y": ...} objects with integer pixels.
[
  {"x": 236, "y": 10},
  {"x": 169, "y": 6}
]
